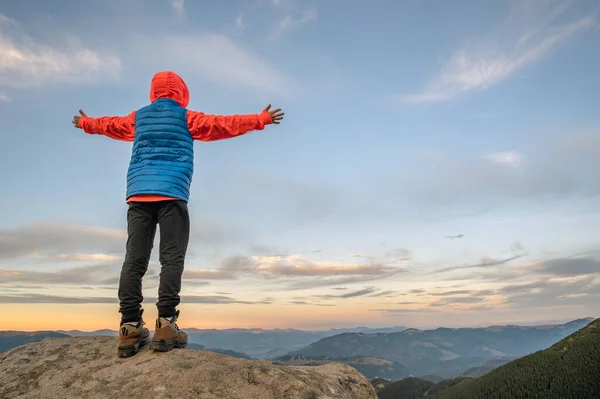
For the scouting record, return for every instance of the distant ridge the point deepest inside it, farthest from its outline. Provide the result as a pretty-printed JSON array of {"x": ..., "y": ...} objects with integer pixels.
[
  {"x": 569, "y": 369},
  {"x": 443, "y": 352}
]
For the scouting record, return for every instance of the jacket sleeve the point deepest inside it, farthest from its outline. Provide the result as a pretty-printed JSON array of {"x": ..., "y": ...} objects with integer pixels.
[
  {"x": 205, "y": 127},
  {"x": 116, "y": 127}
]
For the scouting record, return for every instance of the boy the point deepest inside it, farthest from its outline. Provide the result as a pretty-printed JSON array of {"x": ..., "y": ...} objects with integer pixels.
[{"x": 158, "y": 184}]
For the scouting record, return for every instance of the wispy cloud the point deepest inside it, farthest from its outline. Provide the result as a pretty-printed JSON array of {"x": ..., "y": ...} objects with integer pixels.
[
  {"x": 549, "y": 292},
  {"x": 239, "y": 22},
  {"x": 530, "y": 32},
  {"x": 25, "y": 62},
  {"x": 314, "y": 282},
  {"x": 269, "y": 267},
  {"x": 208, "y": 274},
  {"x": 79, "y": 257},
  {"x": 385, "y": 294},
  {"x": 289, "y": 23},
  {"x": 215, "y": 58},
  {"x": 196, "y": 299},
  {"x": 40, "y": 298},
  {"x": 507, "y": 158},
  {"x": 353, "y": 294},
  {"x": 485, "y": 262},
  {"x": 567, "y": 267},
  {"x": 406, "y": 310},
  {"x": 178, "y": 6},
  {"x": 57, "y": 238},
  {"x": 87, "y": 275},
  {"x": 4, "y": 97},
  {"x": 61, "y": 241}
]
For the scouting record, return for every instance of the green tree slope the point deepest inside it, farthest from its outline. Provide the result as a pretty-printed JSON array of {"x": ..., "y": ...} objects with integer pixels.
[{"x": 569, "y": 369}]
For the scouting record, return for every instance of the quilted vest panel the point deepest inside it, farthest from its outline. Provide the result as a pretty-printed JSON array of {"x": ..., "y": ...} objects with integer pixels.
[{"x": 162, "y": 158}]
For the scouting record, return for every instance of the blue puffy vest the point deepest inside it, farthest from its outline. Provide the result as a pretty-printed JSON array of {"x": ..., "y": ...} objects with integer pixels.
[{"x": 162, "y": 159}]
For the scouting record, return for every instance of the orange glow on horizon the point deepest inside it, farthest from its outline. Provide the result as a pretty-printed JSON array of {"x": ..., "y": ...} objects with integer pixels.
[{"x": 90, "y": 317}]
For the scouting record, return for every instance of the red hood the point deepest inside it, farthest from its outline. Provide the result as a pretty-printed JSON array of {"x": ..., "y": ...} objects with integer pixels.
[{"x": 169, "y": 85}]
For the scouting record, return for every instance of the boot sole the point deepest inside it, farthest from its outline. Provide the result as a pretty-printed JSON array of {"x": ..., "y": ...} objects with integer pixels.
[
  {"x": 162, "y": 345},
  {"x": 132, "y": 349}
]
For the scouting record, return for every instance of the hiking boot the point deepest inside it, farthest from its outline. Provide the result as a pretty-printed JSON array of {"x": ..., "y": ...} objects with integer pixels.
[
  {"x": 168, "y": 335},
  {"x": 132, "y": 338}
]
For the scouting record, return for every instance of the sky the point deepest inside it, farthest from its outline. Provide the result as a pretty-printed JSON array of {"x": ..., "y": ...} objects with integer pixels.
[{"x": 435, "y": 166}]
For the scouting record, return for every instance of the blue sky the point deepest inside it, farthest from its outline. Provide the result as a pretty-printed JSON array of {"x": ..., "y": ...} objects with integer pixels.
[{"x": 406, "y": 122}]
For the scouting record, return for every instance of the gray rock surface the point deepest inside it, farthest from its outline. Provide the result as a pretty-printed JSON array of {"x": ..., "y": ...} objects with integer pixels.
[{"x": 88, "y": 367}]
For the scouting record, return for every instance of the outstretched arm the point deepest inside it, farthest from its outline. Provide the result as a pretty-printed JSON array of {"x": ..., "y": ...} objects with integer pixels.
[
  {"x": 205, "y": 127},
  {"x": 116, "y": 127}
]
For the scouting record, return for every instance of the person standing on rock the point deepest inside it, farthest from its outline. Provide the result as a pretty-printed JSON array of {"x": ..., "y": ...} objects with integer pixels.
[{"x": 158, "y": 185}]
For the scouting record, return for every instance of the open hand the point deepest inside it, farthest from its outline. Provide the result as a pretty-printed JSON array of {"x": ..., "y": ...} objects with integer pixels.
[
  {"x": 76, "y": 119},
  {"x": 276, "y": 114}
]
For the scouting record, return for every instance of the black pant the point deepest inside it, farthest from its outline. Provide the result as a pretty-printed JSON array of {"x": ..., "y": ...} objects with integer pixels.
[{"x": 142, "y": 217}]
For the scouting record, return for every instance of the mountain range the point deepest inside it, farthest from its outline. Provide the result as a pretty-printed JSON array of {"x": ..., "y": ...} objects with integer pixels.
[
  {"x": 392, "y": 353},
  {"x": 443, "y": 352},
  {"x": 256, "y": 343},
  {"x": 569, "y": 369},
  {"x": 251, "y": 343}
]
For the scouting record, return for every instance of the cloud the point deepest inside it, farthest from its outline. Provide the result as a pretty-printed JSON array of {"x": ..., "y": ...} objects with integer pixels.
[
  {"x": 269, "y": 267},
  {"x": 103, "y": 274},
  {"x": 400, "y": 253},
  {"x": 447, "y": 185},
  {"x": 568, "y": 266},
  {"x": 87, "y": 275},
  {"x": 4, "y": 97},
  {"x": 517, "y": 246},
  {"x": 60, "y": 239},
  {"x": 178, "y": 6},
  {"x": 215, "y": 59},
  {"x": 459, "y": 297},
  {"x": 78, "y": 242},
  {"x": 529, "y": 33},
  {"x": 39, "y": 298},
  {"x": 414, "y": 291},
  {"x": 354, "y": 294},
  {"x": 297, "y": 272},
  {"x": 406, "y": 311},
  {"x": 384, "y": 294},
  {"x": 239, "y": 22},
  {"x": 309, "y": 283},
  {"x": 362, "y": 292},
  {"x": 587, "y": 144},
  {"x": 289, "y": 23},
  {"x": 485, "y": 262},
  {"x": 358, "y": 255},
  {"x": 300, "y": 303},
  {"x": 195, "y": 299},
  {"x": 208, "y": 274},
  {"x": 553, "y": 292},
  {"x": 26, "y": 63},
  {"x": 488, "y": 275},
  {"x": 457, "y": 300},
  {"x": 452, "y": 293},
  {"x": 508, "y": 158},
  {"x": 479, "y": 308},
  {"x": 79, "y": 257}
]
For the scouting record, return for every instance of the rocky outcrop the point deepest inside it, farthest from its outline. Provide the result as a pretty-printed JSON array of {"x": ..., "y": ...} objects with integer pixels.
[{"x": 88, "y": 367}]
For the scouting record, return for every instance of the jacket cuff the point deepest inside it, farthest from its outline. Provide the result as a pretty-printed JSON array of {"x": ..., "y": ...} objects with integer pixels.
[
  {"x": 81, "y": 120},
  {"x": 265, "y": 117}
]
